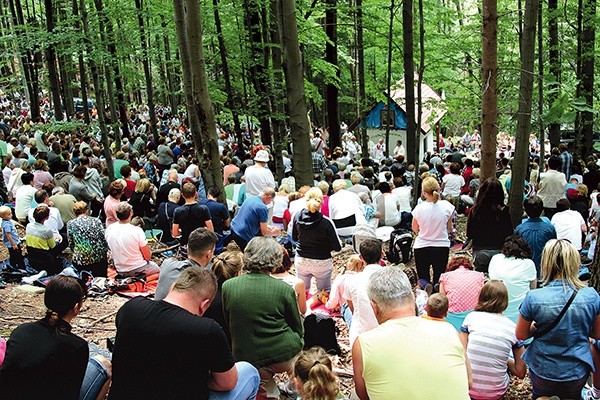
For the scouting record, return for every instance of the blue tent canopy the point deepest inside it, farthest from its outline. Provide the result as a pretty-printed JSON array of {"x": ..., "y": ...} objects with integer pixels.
[{"x": 374, "y": 116}]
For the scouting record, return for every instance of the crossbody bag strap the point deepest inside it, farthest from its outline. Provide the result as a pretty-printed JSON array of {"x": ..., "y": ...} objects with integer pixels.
[{"x": 538, "y": 334}]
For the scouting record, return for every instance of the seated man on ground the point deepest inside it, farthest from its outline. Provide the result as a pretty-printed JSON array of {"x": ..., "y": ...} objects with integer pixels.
[
  {"x": 190, "y": 216},
  {"x": 40, "y": 242},
  {"x": 128, "y": 245},
  {"x": 405, "y": 354},
  {"x": 189, "y": 354},
  {"x": 201, "y": 246}
]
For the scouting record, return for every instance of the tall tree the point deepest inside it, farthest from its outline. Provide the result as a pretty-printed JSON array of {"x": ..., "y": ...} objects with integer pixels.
[
  {"x": 390, "y": 118},
  {"x": 586, "y": 74},
  {"x": 81, "y": 65},
  {"x": 521, "y": 159},
  {"x": 98, "y": 88},
  {"x": 211, "y": 164},
  {"x": 540, "y": 40},
  {"x": 554, "y": 67},
  {"x": 489, "y": 106},
  {"x": 147, "y": 72},
  {"x": 169, "y": 67},
  {"x": 277, "y": 92},
  {"x": 362, "y": 92},
  {"x": 296, "y": 100},
  {"x": 331, "y": 88},
  {"x": 416, "y": 194},
  {"x": 50, "y": 53},
  {"x": 413, "y": 132}
]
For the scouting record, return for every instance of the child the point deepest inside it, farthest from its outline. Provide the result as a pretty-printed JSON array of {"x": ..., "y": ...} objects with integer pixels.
[
  {"x": 313, "y": 375},
  {"x": 336, "y": 298},
  {"x": 10, "y": 237},
  {"x": 489, "y": 337},
  {"x": 436, "y": 307}
]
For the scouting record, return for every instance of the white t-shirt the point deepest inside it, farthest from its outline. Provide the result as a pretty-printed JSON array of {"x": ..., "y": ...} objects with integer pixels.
[
  {"x": 125, "y": 242},
  {"x": 257, "y": 179},
  {"x": 568, "y": 226},
  {"x": 404, "y": 194},
  {"x": 517, "y": 274},
  {"x": 433, "y": 223},
  {"x": 388, "y": 205},
  {"x": 363, "y": 316},
  {"x": 452, "y": 184},
  {"x": 344, "y": 204},
  {"x": 23, "y": 200}
]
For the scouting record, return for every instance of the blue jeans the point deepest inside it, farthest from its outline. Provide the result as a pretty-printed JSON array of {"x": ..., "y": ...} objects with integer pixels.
[
  {"x": 564, "y": 390},
  {"x": 246, "y": 387},
  {"x": 346, "y": 314},
  {"x": 95, "y": 377}
]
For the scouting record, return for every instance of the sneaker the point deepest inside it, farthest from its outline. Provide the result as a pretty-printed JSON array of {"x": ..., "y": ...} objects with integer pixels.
[{"x": 587, "y": 393}]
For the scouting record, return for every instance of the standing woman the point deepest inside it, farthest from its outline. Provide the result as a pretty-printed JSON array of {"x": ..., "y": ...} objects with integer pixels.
[
  {"x": 432, "y": 222},
  {"x": 317, "y": 238},
  {"x": 489, "y": 223},
  {"x": 559, "y": 358},
  {"x": 86, "y": 239}
]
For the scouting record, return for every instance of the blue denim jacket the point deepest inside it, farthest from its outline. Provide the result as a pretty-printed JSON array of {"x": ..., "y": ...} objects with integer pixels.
[{"x": 563, "y": 354}]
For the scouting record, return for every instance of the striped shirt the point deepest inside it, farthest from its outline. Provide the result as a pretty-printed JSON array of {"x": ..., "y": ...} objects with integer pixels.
[
  {"x": 39, "y": 236},
  {"x": 491, "y": 340}
]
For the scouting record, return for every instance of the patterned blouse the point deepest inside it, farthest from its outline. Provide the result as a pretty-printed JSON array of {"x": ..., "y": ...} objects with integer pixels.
[{"x": 86, "y": 239}]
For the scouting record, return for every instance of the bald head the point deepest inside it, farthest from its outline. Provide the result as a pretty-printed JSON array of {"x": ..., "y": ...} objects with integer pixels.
[{"x": 173, "y": 176}]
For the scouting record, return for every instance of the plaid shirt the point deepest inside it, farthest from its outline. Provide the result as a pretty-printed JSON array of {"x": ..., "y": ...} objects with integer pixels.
[{"x": 318, "y": 163}]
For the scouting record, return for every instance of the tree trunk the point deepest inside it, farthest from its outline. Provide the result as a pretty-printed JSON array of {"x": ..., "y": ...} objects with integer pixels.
[
  {"x": 362, "y": 92},
  {"x": 173, "y": 102},
  {"x": 416, "y": 194},
  {"x": 147, "y": 73},
  {"x": 211, "y": 167},
  {"x": 389, "y": 76},
  {"x": 521, "y": 159},
  {"x": 97, "y": 78},
  {"x": 82, "y": 69},
  {"x": 554, "y": 66},
  {"x": 586, "y": 78},
  {"x": 331, "y": 88},
  {"x": 489, "y": 106},
  {"x": 66, "y": 68},
  {"x": 294, "y": 80},
  {"x": 258, "y": 72},
  {"x": 542, "y": 129},
  {"x": 413, "y": 132},
  {"x": 231, "y": 102},
  {"x": 277, "y": 92},
  {"x": 50, "y": 53}
]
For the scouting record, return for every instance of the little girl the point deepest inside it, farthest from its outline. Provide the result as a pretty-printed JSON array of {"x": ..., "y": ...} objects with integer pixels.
[
  {"x": 336, "y": 298},
  {"x": 489, "y": 337},
  {"x": 313, "y": 375}
]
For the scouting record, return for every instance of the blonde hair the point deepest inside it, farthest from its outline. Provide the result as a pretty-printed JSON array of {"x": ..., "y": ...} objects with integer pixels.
[
  {"x": 314, "y": 368},
  {"x": 228, "y": 264},
  {"x": 339, "y": 184},
  {"x": 5, "y": 210},
  {"x": 355, "y": 263},
  {"x": 561, "y": 260},
  {"x": 142, "y": 186},
  {"x": 314, "y": 199},
  {"x": 431, "y": 187},
  {"x": 80, "y": 207},
  {"x": 324, "y": 186},
  {"x": 582, "y": 190}
]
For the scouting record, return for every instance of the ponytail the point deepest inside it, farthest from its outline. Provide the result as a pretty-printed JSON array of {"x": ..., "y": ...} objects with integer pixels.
[
  {"x": 314, "y": 369},
  {"x": 436, "y": 196}
]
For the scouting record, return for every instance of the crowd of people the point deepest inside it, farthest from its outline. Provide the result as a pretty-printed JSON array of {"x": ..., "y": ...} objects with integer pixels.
[{"x": 228, "y": 315}]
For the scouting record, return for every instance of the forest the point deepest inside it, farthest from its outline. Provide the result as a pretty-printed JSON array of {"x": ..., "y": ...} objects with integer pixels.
[{"x": 522, "y": 67}]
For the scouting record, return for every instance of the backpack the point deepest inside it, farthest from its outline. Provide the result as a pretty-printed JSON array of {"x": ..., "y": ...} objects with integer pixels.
[
  {"x": 320, "y": 330},
  {"x": 400, "y": 251},
  {"x": 362, "y": 232}
]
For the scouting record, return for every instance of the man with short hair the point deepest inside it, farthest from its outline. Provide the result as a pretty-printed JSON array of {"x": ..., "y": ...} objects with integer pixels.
[
  {"x": 251, "y": 219},
  {"x": 405, "y": 354},
  {"x": 24, "y": 197},
  {"x": 569, "y": 224},
  {"x": 190, "y": 216},
  {"x": 566, "y": 160},
  {"x": 54, "y": 221},
  {"x": 201, "y": 247},
  {"x": 64, "y": 202},
  {"x": 128, "y": 245},
  {"x": 219, "y": 214},
  {"x": 535, "y": 230},
  {"x": 552, "y": 186},
  {"x": 172, "y": 183},
  {"x": 189, "y": 358},
  {"x": 355, "y": 289}
]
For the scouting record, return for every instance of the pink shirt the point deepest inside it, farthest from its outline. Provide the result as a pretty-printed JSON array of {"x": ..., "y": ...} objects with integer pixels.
[
  {"x": 109, "y": 210},
  {"x": 40, "y": 177},
  {"x": 462, "y": 287},
  {"x": 325, "y": 206}
]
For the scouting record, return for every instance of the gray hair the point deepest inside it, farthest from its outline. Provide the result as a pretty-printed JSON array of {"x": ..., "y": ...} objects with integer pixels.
[
  {"x": 339, "y": 184},
  {"x": 262, "y": 255},
  {"x": 390, "y": 288},
  {"x": 174, "y": 195}
]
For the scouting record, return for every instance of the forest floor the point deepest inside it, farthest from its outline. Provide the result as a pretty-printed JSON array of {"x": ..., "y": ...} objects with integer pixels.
[{"x": 96, "y": 323}]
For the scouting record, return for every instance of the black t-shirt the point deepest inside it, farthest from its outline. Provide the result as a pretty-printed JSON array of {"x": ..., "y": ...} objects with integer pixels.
[
  {"x": 218, "y": 214},
  {"x": 162, "y": 351},
  {"x": 190, "y": 217},
  {"x": 489, "y": 228},
  {"x": 43, "y": 364},
  {"x": 163, "y": 192}
]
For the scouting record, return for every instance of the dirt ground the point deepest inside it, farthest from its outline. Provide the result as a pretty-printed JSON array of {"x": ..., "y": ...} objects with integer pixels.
[{"x": 96, "y": 323}]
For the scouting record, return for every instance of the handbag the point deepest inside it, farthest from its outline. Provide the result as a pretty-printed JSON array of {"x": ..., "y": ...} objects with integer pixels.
[{"x": 538, "y": 334}]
